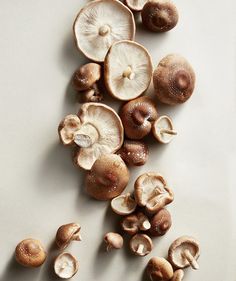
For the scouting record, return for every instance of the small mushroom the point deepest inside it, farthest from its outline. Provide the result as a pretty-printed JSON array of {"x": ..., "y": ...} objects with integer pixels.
[
  {"x": 151, "y": 191},
  {"x": 127, "y": 70},
  {"x": 134, "y": 153},
  {"x": 163, "y": 129},
  {"x": 30, "y": 253},
  {"x": 123, "y": 204},
  {"x": 137, "y": 117},
  {"x": 108, "y": 177},
  {"x": 141, "y": 245},
  {"x": 136, "y": 5},
  {"x": 178, "y": 275},
  {"x": 173, "y": 80},
  {"x": 97, "y": 27},
  {"x": 184, "y": 252},
  {"x": 67, "y": 128},
  {"x": 113, "y": 241},
  {"x": 159, "y": 269},
  {"x": 65, "y": 266},
  {"x": 67, "y": 233},
  {"x": 134, "y": 223},
  {"x": 159, "y": 15},
  {"x": 160, "y": 223}
]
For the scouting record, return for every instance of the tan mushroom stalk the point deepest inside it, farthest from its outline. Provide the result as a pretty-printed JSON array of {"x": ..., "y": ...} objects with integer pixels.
[
  {"x": 67, "y": 233},
  {"x": 134, "y": 223},
  {"x": 174, "y": 80},
  {"x": 151, "y": 191},
  {"x": 97, "y": 27},
  {"x": 127, "y": 70},
  {"x": 136, "y": 5},
  {"x": 137, "y": 117},
  {"x": 123, "y": 204},
  {"x": 141, "y": 245},
  {"x": 30, "y": 253},
  {"x": 184, "y": 252},
  {"x": 163, "y": 129},
  {"x": 66, "y": 266},
  {"x": 160, "y": 223},
  {"x": 159, "y": 269},
  {"x": 178, "y": 275},
  {"x": 113, "y": 241}
]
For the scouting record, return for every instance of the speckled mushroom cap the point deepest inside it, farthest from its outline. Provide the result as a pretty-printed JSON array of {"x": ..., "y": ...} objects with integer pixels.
[
  {"x": 66, "y": 233},
  {"x": 159, "y": 269}
]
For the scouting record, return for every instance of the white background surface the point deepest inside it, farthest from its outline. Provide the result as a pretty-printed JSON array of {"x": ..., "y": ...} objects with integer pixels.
[{"x": 39, "y": 187}]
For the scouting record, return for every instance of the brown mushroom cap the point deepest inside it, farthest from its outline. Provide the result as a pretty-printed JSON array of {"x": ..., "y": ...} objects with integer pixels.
[
  {"x": 159, "y": 269},
  {"x": 135, "y": 222},
  {"x": 67, "y": 233},
  {"x": 30, "y": 253},
  {"x": 67, "y": 128},
  {"x": 113, "y": 240},
  {"x": 163, "y": 129},
  {"x": 137, "y": 117},
  {"x": 108, "y": 177},
  {"x": 160, "y": 223},
  {"x": 184, "y": 252},
  {"x": 178, "y": 275},
  {"x": 159, "y": 15},
  {"x": 65, "y": 266},
  {"x": 174, "y": 80},
  {"x": 141, "y": 244}
]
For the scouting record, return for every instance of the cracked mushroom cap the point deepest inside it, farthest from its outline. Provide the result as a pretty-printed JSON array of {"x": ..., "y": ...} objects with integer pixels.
[
  {"x": 163, "y": 129},
  {"x": 123, "y": 204},
  {"x": 151, "y": 191},
  {"x": 101, "y": 132},
  {"x": 101, "y": 23},
  {"x": 127, "y": 70},
  {"x": 136, "y": 5},
  {"x": 184, "y": 252},
  {"x": 141, "y": 245},
  {"x": 174, "y": 80},
  {"x": 66, "y": 266},
  {"x": 159, "y": 269},
  {"x": 67, "y": 233},
  {"x": 108, "y": 177}
]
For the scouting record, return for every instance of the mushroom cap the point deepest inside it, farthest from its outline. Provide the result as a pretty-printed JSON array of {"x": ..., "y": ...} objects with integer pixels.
[
  {"x": 160, "y": 223},
  {"x": 137, "y": 117},
  {"x": 113, "y": 240},
  {"x": 66, "y": 233},
  {"x": 159, "y": 15},
  {"x": 177, "y": 248},
  {"x": 127, "y": 70},
  {"x": 97, "y": 27},
  {"x": 163, "y": 122},
  {"x": 135, "y": 222},
  {"x": 159, "y": 269},
  {"x": 123, "y": 204},
  {"x": 66, "y": 266},
  {"x": 136, "y": 5},
  {"x": 174, "y": 80},
  {"x": 141, "y": 244},
  {"x": 151, "y": 191},
  {"x": 108, "y": 177},
  {"x": 30, "y": 253},
  {"x": 178, "y": 275},
  {"x": 104, "y": 124},
  {"x": 67, "y": 128}
]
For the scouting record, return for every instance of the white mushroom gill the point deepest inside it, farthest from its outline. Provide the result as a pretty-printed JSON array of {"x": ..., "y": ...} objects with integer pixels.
[{"x": 136, "y": 4}]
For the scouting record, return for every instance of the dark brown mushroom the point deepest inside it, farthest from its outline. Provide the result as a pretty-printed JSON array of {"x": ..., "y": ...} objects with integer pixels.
[{"x": 160, "y": 223}]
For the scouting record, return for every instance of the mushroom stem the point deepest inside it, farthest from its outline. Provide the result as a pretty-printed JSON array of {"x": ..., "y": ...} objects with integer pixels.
[
  {"x": 140, "y": 249},
  {"x": 145, "y": 225},
  {"x": 86, "y": 136},
  {"x": 83, "y": 140},
  {"x": 192, "y": 261},
  {"x": 128, "y": 73},
  {"x": 168, "y": 131},
  {"x": 77, "y": 237},
  {"x": 126, "y": 200},
  {"x": 104, "y": 30}
]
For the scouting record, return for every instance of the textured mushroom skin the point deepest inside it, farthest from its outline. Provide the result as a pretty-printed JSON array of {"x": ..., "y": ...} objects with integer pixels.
[
  {"x": 174, "y": 80},
  {"x": 159, "y": 269},
  {"x": 160, "y": 223},
  {"x": 66, "y": 233},
  {"x": 137, "y": 117}
]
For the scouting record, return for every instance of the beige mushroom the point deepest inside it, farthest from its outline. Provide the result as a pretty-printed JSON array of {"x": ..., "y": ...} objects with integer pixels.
[
  {"x": 160, "y": 223},
  {"x": 123, "y": 204},
  {"x": 174, "y": 80},
  {"x": 65, "y": 266},
  {"x": 134, "y": 223},
  {"x": 178, "y": 275},
  {"x": 159, "y": 269},
  {"x": 141, "y": 245},
  {"x": 184, "y": 252},
  {"x": 101, "y": 23},
  {"x": 67, "y": 128},
  {"x": 151, "y": 191},
  {"x": 108, "y": 177},
  {"x": 159, "y": 15},
  {"x": 93, "y": 94},
  {"x": 67, "y": 233},
  {"x": 163, "y": 129},
  {"x": 136, "y": 5},
  {"x": 137, "y": 117},
  {"x": 30, "y": 253},
  {"x": 113, "y": 241},
  {"x": 127, "y": 70}
]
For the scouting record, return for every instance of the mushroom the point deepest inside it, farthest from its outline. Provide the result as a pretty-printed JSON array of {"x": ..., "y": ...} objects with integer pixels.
[
  {"x": 30, "y": 253},
  {"x": 108, "y": 177},
  {"x": 136, "y": 5},
  {"x": 67, "y": 233},
  {"x": 151, "y": 191},
  {"x": 134, "y": 223},
  {"x": 113, "y": 241},
  {"x": 93, "y": 94},
  {"x": 127, "y": 70},
  {"x": 178, "y": 275},
  {"x": 159, "y": 15},
  {"x": 174, "y": 80},
  {"x": 137, "y": 117},
  {"x": 159, "y": 269},
  {"x": 134, "y": 153},
  {"x": 97, "y": 27},
  {"x": 160, "y": 223},
  {"x": 123, "y": 204},
  {"x": 67, "y": 128},
  {"x": 163, "y": 129},
  {"x": 184, "y": 252},
  {"x": 66, "y": 266},
  {"x": 141, "y": 245}
]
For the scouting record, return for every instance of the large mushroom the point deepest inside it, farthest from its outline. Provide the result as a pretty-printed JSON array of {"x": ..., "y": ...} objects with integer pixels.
[{"x": 101, "y": 23}]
